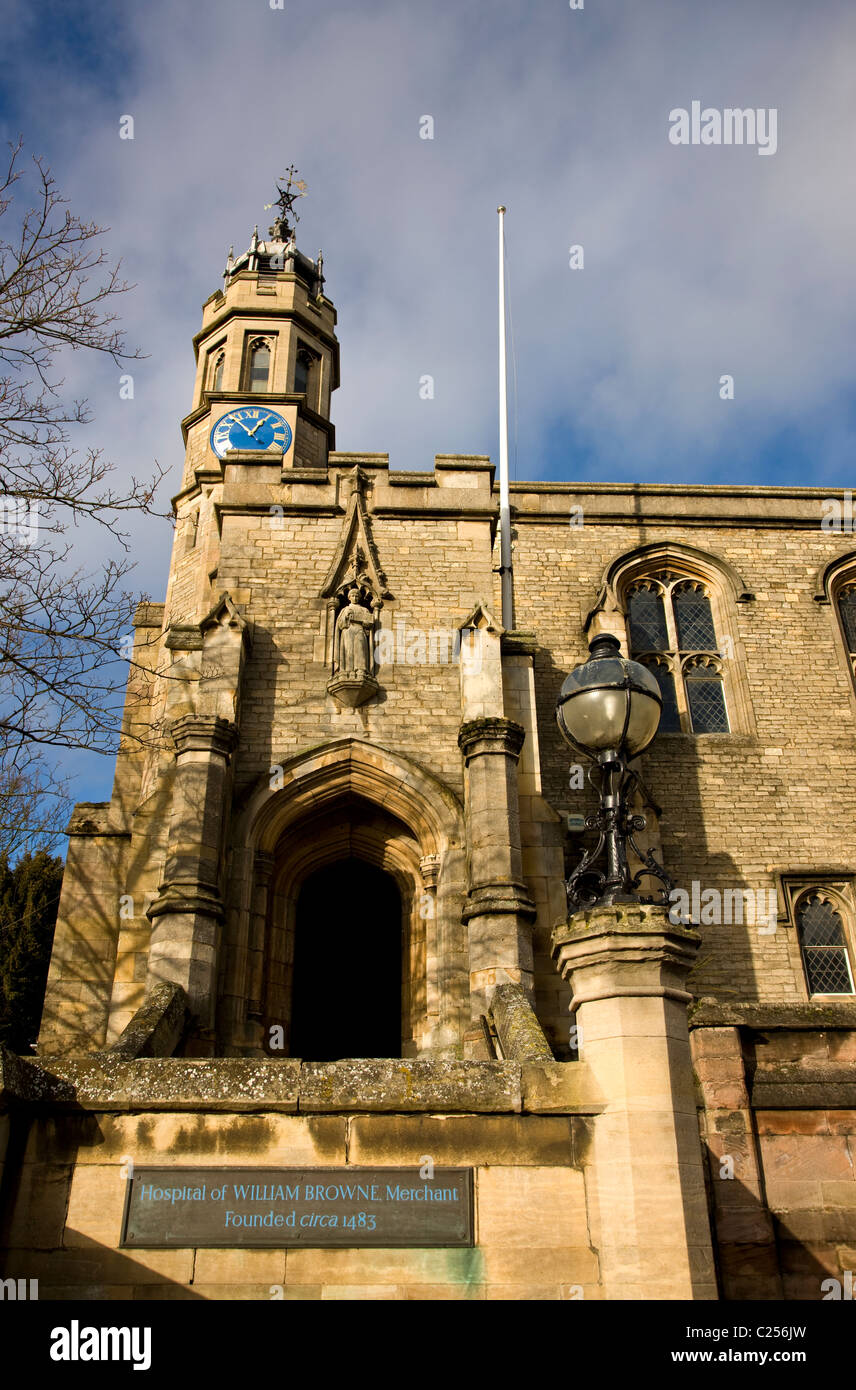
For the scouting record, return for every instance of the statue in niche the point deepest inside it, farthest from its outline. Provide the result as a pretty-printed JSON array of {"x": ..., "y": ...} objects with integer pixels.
[{"x": 354, "y": 627}]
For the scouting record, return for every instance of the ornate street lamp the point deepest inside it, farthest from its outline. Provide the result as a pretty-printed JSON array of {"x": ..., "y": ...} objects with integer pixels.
[{"x": 609, "y": 710}]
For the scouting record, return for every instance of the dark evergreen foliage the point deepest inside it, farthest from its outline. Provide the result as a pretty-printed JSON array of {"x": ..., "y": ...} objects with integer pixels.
[{"x": 29, "y": 898}]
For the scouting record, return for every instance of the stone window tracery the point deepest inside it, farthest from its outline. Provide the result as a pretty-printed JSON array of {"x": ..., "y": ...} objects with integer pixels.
[
  {"x": 823, "y": 944},
  {"x": 672, "y": 631},
  {"x": 847, "y": 614}
]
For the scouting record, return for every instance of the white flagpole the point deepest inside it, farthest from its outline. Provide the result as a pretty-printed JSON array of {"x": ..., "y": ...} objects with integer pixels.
[{"x": 504, "y": 511}]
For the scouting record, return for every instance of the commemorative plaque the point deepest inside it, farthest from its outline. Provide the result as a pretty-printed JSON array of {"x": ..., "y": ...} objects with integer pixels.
[{"x": 341, "y": 1207}]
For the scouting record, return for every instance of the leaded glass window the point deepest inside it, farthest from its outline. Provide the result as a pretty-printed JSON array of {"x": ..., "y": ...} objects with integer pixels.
[
  {"x": 217, "y": 378},
  {"x": 705, "y": 699},
  {"x": 647, "y": 621},
  {"x": 672, "y": 631},
  {"x": 694, "y": 619},
  {"x": 670, "y": 718},
  {"x": 824, "y": 947},
  {"x": 847, "y": 610}
]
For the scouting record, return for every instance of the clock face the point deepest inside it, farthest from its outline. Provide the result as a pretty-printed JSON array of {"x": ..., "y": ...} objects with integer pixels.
[{"x": 250, "y": 427}]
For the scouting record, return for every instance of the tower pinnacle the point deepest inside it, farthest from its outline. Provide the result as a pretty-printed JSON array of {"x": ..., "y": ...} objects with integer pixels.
[{"x": 279, "y": 252}]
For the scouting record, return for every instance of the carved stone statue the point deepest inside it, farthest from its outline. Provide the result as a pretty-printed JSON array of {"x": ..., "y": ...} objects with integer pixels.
[{"x": 354, "y": 627}]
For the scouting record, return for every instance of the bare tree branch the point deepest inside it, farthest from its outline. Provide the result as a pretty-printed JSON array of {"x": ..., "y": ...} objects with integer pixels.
[{"x": 64, "y": 628}]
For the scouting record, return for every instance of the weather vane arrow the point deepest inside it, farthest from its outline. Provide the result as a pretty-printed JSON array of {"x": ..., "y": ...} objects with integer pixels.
[{"x": 294, "y": 188}]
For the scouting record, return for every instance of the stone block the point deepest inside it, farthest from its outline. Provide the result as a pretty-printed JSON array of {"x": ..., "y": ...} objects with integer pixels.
[
  {"x": 432, "y": 1293},
  {"x": 102, "y": 1082},
  {"x": 802, "y": 1157},
  {"x": 233, "y": 1293},
  {"x": 371, "y": 1084},
  {"x": 237, "y": 1267},
  {"x": 522, "y": 1207},
  {"x": 38, "y": 1218},
  {"x": 841, "y": 1122},
  {"x": 217, "y": 1138},
  {"x": 95, "y": 1206},
  {"x": 87, "y": 1293},
  {"x": 792, "y": 1122},
  {"x": 549, "y": 1264},
  {"x": 460, "y": 1140},
  {"x": 92, "y": 1264},
  {"x": 359, "y": 1293},
  {"x": 560, "y": 1088},
  {"x": 412, "y": 1266}
]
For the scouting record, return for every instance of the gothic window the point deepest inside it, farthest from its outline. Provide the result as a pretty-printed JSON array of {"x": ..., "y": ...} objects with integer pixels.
[
  {"x": 670, "y": 718},
  {"x": 847, "y": 613},
  {"x": 823, "y": 943},
  {"x": 672, "y": 632},
  {"x": 259, "y": 366},
  {"x": 217, "y": 372},
  {"x": 648, "y": 620},
  {"x": 704, "y": 696}
]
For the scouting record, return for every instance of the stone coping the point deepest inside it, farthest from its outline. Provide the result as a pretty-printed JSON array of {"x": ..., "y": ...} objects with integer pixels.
[
  {"x": 804, "y": 1086},
  {"x": 100, "y": 1081},
  {"x": 818, "y": 1017}
]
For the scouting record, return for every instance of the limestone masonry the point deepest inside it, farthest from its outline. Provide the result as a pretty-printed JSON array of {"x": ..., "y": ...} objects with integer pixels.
[{"x": 322, "y": 920}]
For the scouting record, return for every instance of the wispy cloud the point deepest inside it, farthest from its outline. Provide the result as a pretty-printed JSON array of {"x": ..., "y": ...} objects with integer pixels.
[{"x": 698, "y": 261}]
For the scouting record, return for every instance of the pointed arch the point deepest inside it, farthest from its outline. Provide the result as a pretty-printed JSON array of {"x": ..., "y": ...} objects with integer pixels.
[
  {"x": 835, "y": 587},
  {"x": 348, "y": 799},
  {"x": 831, "y": 574},
  {"x": 354, "y": 767},
  {"x": 689, "y": 560},
  {"x": 674, "y": 605}
]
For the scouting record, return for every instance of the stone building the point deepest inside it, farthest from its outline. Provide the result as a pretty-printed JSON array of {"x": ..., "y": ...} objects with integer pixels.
[{"x": 322, "y": 920}]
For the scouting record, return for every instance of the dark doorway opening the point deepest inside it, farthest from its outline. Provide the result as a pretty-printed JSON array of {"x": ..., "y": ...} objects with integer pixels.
[{"x": 346, "y": 999}]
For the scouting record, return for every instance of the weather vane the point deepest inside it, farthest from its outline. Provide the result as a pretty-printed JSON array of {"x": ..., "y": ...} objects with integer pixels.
[{"x": 294, "y": 188}]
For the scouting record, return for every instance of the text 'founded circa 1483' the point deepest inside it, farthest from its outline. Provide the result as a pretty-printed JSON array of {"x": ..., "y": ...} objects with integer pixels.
[{"x": 218, "y": 1207}]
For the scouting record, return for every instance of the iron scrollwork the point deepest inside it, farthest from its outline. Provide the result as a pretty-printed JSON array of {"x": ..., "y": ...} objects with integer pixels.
[{"x": 616, "y": 826}]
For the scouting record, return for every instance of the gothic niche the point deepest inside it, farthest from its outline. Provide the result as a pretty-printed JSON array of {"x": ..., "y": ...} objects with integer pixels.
[{"x": 356, "y": 611}]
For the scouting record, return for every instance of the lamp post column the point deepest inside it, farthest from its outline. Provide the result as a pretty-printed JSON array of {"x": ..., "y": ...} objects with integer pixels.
[{"x": 627, "y": 966}]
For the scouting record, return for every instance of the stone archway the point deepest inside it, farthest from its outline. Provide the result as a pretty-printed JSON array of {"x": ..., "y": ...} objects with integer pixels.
[{"x": 347, "y": 800}]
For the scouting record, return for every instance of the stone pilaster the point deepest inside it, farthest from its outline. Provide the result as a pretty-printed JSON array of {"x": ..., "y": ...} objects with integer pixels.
[
  {"x": 499, "y": 911},
  {"x": 262, "y": 871},
  {"x": 188, "y": 909},
  {"x": 627, "y": 967}
]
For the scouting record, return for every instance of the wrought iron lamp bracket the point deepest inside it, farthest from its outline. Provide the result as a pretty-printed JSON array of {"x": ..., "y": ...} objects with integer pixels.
[{"x": 616, "y": 825}]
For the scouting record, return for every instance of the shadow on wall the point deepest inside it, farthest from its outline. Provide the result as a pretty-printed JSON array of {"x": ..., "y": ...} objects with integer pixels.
[
  {"x": 107, "y": 886},
  {"x": 671, "y": 771}
]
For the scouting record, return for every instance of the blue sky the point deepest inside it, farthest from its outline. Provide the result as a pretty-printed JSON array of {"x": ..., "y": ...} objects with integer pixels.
[{"x": 699, "y": 260}]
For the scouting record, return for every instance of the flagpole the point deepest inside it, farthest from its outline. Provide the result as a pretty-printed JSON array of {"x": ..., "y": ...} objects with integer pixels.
[{"x": 506, "y": 577}]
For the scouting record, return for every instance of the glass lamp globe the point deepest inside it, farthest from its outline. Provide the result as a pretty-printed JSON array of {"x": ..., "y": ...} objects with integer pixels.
[{"x": 609, "y": 703}]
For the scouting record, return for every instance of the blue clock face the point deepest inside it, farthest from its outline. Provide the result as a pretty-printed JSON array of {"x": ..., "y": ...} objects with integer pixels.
[{"x": 250, "y": 427}]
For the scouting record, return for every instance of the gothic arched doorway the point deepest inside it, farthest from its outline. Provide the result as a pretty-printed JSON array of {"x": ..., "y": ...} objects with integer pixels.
[{"x": 348, "y": 949}]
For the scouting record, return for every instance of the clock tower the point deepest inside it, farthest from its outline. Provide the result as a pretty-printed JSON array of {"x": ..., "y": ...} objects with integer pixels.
[{"x": 267, "y": 361}]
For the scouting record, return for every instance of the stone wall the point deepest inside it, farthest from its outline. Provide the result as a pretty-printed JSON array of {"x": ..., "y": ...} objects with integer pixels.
[
  {"x": 523, "y": 1131},
  {"x": 739, "y": 810},
  {"x": 778, "y": 1121}
]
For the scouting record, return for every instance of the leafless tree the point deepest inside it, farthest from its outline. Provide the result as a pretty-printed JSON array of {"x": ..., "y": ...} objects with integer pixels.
[
  {"x": 63, "y": 662},
  {"x": 34, "y": 803}
]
